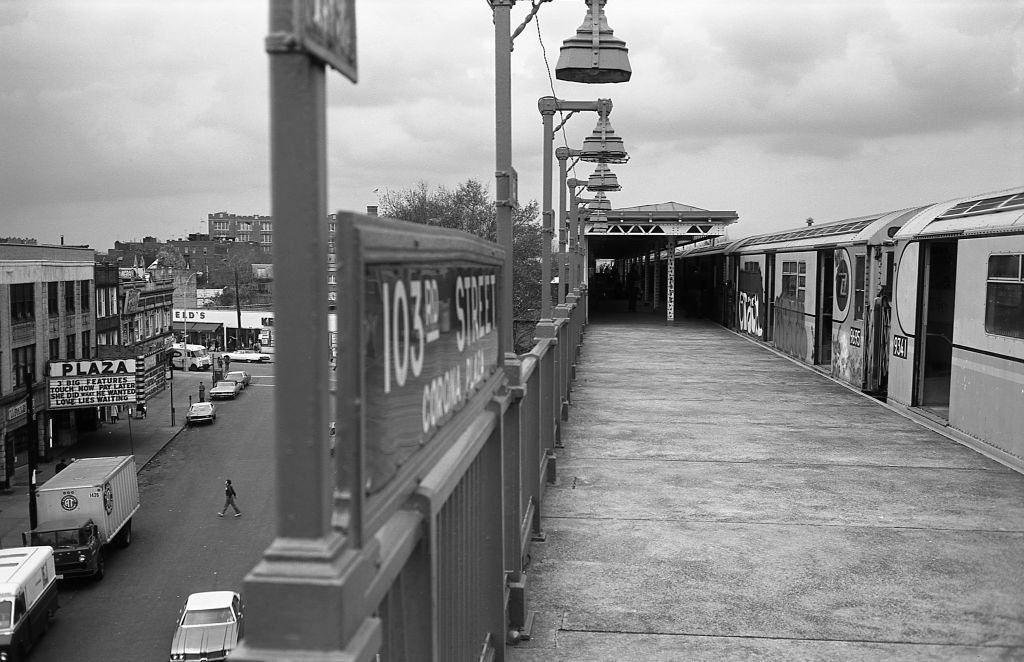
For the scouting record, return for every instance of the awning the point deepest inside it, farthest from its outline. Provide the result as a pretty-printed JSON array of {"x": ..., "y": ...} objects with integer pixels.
[{"x": 204, "y": 326}]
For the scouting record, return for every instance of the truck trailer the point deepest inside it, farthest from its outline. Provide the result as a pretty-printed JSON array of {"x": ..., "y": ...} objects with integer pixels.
[
  {"x": 85, "y": 508},
  {"x": 28, "y": 598}
]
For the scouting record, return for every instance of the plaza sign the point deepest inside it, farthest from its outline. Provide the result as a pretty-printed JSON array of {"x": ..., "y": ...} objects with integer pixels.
[{"x": 73, "y": 384}]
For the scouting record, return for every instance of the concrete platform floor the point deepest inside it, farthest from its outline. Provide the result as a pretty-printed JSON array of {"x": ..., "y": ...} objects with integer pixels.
[{"x": 716, "y": 501}]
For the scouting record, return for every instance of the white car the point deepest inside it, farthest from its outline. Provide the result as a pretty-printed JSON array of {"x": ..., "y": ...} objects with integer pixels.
[
  {"x": 209, "y": 626},
  {"x": 247, "y": 356}
]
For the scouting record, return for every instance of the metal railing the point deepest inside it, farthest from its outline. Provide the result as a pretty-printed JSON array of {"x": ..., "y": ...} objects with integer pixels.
[{"x": 426, "y": 560}]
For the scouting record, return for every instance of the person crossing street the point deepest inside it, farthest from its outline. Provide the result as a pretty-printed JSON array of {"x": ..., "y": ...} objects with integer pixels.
[{"x": 229, "y": 500}]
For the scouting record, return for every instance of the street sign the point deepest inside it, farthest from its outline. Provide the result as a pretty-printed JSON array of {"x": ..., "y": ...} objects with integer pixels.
[
  {"x": 326, "y": 29},
  {"x": 423, "y": 339}
]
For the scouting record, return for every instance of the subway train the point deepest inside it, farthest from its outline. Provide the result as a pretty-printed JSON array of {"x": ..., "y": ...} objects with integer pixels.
[{"x": 922, "y": 307}]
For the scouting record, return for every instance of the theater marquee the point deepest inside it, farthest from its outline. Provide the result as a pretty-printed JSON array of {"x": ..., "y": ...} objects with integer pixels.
[{"x": 73, "y": 384}]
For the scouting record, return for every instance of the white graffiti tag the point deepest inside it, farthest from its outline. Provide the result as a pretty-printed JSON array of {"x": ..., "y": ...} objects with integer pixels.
[{"x": 750, "y": 320}]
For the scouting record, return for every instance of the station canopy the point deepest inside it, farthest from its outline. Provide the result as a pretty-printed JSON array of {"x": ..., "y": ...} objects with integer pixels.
[{"x": 613, "y": 233}]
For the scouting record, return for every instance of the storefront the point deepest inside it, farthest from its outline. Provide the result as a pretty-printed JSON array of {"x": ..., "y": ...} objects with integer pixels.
[{"x": 219, "y": 328}]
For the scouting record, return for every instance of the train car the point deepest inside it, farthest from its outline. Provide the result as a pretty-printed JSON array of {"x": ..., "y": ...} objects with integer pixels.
[
  {"x": 957, "y": 350},
  {"x": 785, "y": 286},
  {"x": 862, "y": 302}
]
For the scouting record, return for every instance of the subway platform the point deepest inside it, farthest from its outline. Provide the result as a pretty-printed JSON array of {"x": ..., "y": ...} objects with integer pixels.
[{"x": 717, "y": 501}]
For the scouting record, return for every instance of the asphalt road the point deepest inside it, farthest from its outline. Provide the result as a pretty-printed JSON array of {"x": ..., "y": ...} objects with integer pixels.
[{"x": 180, "y": 546}]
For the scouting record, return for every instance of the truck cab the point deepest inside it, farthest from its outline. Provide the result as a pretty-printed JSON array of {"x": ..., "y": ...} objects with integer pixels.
[{"x": 76, "y": 547}]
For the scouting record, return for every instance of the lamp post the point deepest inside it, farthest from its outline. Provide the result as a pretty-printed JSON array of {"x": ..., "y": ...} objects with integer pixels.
[
  {"x": 592, "y": 56},
  {"x": 548, "y": 106}
]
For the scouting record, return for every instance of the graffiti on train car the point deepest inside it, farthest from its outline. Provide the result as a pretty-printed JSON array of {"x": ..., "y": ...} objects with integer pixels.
[
  {"x": 791, "y": 333},
  {"x": 750, "y": 308},
  {"x": 750, "y": 314}
]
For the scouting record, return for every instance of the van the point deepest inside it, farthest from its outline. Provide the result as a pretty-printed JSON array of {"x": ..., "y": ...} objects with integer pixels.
[
  {"x": 189, "y": 357},
  {"x": 28, "y": 598}
]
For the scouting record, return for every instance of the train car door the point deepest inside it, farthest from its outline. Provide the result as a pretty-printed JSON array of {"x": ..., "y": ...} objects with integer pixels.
[
  {"x": 823, "y": 342},
  {"x": 933, "y": 360},
  {"x": 769, "y": 296}
]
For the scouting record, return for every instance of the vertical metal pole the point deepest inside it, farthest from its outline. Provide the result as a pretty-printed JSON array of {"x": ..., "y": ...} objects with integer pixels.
[
  {"x": 547, "y": 112},
  {"x": 238, "y": 305},
  {"x": 565, "y": 278},
  {"x": 563, "y": 214},
  {"x": 670, "y": 282},
  {"x": 503, "y": 158},
  {"x": 33, "y": 450},
  {"x": 298, "y": 168}
]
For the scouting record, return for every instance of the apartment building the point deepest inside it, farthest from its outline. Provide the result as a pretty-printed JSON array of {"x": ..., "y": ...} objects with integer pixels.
[{"x": 47, "y": 299}]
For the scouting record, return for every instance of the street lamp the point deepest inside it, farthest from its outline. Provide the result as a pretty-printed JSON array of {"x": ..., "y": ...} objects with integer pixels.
[
  {"x": 548, "y": 106},
  {"x": 604, "y": 60},
  {"x": 594, "y": 55}
]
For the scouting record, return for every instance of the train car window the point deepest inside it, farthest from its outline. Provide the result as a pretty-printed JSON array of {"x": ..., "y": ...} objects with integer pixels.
[
  {"x": 858, "y": 287},
  {"x": 794, "y": 280},
  {"x": 1004, "y": 297}
]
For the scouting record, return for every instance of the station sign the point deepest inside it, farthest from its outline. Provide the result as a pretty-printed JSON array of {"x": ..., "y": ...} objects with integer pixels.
[
  {"x": 326, "y": 29},
  {"x": 433, "y": 341},
  {"x": 73, "y": 384},
  {"x": 423, "y": 337}
]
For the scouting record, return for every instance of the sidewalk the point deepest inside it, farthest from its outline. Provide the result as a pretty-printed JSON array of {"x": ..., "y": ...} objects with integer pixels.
[{"x": 146, "y": 436}]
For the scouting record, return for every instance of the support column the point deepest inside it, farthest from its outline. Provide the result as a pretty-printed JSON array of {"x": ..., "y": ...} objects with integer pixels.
[
  {"x": 670, "y": 286},
  {"x": 657, "y": 275}
]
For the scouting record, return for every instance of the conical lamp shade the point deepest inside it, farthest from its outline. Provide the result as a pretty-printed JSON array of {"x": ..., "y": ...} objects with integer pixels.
[{"x": 594, "y": 55}]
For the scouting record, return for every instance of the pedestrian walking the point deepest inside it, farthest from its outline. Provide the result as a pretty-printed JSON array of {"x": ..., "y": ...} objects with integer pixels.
[{"x": 229, "y": 500}]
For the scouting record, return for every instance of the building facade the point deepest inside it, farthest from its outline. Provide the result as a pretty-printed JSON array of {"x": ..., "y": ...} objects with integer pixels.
[{"x": 47, "y": 301}]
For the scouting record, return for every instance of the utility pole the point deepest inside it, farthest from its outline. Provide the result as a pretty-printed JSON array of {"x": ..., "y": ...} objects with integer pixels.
[
  {"x": 33, "y": 451},
  {"x": 238, "y": 311}
]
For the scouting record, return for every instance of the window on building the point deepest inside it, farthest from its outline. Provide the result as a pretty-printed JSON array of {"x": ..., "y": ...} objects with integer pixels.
[
  {"x": 332, "y": 279},
  {"x": 54, "y": 349},
  {"x": 244, "y": 236},
  {"x": 858, "y": 287},
  {"x": 245, "y": 226},
  {"x": 330, "y": 245},
  {"x": 71, "y": 348},
  {"x": 266, "y": 226},
  {"x": 22, "y": 359},
  {"x": 52, "y": 299},
  {"x": 86, "y": 344},
  {"x": 266, "y": 237},
  {"x": 69, "y": 296},
  {"x": 23, "y": 302},
  {"x": 1004, "y": 296},
  {"x": 794, "y": 280},
  {"x": 84, "y": 294},
  {"x": 221, "y": 226},
  {"x": 332, "y": 227}
]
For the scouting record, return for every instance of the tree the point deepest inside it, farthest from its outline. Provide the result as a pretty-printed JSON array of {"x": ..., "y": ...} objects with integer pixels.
[{"x": 469, "y": 208}]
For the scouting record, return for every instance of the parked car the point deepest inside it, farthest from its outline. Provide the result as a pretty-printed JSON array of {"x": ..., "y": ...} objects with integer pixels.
[
  {"x": 209, "y": 626},
  {"x": 247, "y": 356},
  {"x": 201, "y": 412},
  {"x": 226, "y": 389},
  {"x": 240, "y": 376}
]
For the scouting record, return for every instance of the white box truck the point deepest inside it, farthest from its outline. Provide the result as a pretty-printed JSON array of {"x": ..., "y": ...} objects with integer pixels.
[
  {"x": 189, "y": 357},
  {"x": 28, "y": 598},
  {"x": 85, "y": 508}
]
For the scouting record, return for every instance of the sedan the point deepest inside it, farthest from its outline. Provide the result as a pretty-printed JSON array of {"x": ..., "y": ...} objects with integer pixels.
[
  {"x": 201, "y": 412},
  {"x": 240, "y": 376},
  {"x": 209, "y": 626},
  {"x": 226, "y": 390},
  {"x": 247, "y": 356}
]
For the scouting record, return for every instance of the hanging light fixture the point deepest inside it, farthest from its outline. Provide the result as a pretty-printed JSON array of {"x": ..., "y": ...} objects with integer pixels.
[
  {"x": 600, "y": 203},
  {"x": 603, "y": 179},
  {"x": 594, "y": 55},
  {"x": 603, "y": 146}
]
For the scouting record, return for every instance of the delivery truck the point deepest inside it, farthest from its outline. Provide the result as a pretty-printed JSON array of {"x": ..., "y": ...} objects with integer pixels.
[
  {"x": 85, "y": 509},
  {"x": 28, "y": 598}
]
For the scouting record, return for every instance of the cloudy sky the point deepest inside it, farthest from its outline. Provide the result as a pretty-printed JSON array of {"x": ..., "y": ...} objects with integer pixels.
[{"x": 126, "y": 118}]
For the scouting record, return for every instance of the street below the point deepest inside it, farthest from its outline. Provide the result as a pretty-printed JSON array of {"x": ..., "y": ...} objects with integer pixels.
[{"x": 180, "y": 545}]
